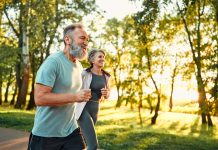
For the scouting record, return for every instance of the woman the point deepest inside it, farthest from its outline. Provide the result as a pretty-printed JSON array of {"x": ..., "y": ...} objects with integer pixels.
[{"x": 96, "y": 79}]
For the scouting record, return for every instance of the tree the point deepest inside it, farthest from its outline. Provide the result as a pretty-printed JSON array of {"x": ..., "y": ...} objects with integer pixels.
[
  {"x": 214, "y": 65},
  {"x": 113, "y": 36},
  {"x": 7, "y": 61},
  {"x": 39, "y": 33},
  {"x": 189, "y": 9},
  {"x": 145, "y": 23}
]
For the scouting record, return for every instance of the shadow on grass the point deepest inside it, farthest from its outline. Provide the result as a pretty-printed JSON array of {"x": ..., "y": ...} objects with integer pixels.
[
  {"x": 194, "y": 127},
  {"x": 17, "y": 120},
  {"x": 202, "y": 129},
  {"x": 174, "y": 125},
  {"x": 110, "y": 107},
  {"x": 142, "y": 140},
  {"x": 209, "y": 131}
]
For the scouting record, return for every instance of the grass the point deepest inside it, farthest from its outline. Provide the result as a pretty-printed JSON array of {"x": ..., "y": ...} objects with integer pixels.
[
  {"x": 17, "y": 119},
  {"x": 119, "y": 129}
]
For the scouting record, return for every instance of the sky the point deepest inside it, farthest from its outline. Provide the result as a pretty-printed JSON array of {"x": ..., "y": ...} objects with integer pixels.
[{"x": 117, "y": 8}]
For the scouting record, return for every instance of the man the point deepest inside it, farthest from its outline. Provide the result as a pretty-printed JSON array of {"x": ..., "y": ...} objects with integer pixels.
[{"x": 58, "y": 84}]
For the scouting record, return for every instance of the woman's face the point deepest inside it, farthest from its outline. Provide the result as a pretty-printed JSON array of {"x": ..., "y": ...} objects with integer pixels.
[{"x": 99, "y": 59}]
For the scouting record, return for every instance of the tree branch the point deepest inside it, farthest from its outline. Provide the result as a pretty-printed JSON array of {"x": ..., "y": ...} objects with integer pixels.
[{"x": 11, "y": 24}]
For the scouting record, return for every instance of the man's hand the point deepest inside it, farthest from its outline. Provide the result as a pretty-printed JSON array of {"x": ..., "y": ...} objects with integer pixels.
[{"x": 84, "y": 95}]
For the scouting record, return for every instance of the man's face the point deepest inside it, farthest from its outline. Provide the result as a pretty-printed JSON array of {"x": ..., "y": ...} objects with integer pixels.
[
  {"x": 79, "y": 44},
  {"x": 81, "y": 38}
]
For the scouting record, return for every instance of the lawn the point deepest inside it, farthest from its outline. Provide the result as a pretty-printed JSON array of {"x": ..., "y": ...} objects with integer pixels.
[{"x": 119, "y": 129}]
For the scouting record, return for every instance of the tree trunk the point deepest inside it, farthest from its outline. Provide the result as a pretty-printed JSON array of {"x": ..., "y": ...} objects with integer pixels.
[
  {"x": 18, "y": 82},
  {"x": 18, "y": 67},
  {"x": 21, "y": 98},
  {"x": 215, "y": 87},
  {"x": 150, "y": 104},
  {"x": 22, "y": 93},
  {"x": 201, "y": 89},
  {"x": 139, "y": 110},
  {"x": 196, "y": 54},
  {"x": 154, "y": 118},
  {"x": 0, "y": 88},
  {"x": 31, "y": 103},
  {"x": 205, "y": 113},
  {"x": 171, "y": 95},
  {"x": 1, "y": 12},
  {"x": 201, "y": 100},
  {"x": 18, "y": 76},
  {"x": 118, "y": 104},
  {"x": 140, "y": 97},
  {"x": 25, "y": 84},
  {"x": 172, "y": 88},
  {"x": 7, "y": 86},
  {"x": 215, "y": 93},
  {"x": 210, "y": 123},
  {"x": 14, "y": 95},
  {"x": 117, "y": 83},
  {"x": 131, "y": 104}
]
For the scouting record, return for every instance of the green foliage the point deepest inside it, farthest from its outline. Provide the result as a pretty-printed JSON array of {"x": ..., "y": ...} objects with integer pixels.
[
  {"x": 7, "y": 56},
  {"x": 7, "y": 61},
  {"x": 40, "y": 22},
  {"x": 203, "y": 44}
]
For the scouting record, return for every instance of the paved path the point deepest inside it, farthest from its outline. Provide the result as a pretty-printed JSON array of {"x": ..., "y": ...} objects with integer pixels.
[{"x": 11, "y": 139}]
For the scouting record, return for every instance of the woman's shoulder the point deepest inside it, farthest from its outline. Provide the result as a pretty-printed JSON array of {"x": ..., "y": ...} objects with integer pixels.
[{"x": 88, "y": 71}]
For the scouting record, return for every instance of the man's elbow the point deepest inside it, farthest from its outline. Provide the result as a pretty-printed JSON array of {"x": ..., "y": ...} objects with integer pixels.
[{"x": 38, "y": 100}]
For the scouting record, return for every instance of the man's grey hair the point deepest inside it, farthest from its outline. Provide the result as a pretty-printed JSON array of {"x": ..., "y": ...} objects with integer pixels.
[
  {"x": 70, "y": 28},
  {"x": 92, "y": 54}
]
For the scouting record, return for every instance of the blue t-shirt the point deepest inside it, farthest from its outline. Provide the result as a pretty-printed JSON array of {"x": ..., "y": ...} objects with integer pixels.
[{"x": 64, "y": 77}]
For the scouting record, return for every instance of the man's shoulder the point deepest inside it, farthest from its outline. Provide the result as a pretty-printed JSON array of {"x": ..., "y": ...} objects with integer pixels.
[
  {"x": 54, "y": 58},
  {"x": 85, "y": 72},
  {"x": 55, "y": 55}
]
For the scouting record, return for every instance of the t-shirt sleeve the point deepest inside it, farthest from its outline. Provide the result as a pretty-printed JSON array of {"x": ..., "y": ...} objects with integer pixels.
[{"x": 47, "y": 72}]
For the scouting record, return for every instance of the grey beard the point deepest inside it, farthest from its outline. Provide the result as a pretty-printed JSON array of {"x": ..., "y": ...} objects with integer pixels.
[{"x": 77, "y": 52}]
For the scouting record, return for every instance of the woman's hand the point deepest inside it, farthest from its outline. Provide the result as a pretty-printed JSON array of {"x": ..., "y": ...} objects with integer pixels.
[{"x": 105, "y": 92}]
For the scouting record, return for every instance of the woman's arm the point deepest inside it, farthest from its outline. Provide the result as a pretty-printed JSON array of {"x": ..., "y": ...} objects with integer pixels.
[{"x": 106, "y": 91}]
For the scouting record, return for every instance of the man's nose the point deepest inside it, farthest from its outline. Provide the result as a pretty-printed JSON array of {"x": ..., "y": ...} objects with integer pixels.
[{"x": 85, "y": 43}]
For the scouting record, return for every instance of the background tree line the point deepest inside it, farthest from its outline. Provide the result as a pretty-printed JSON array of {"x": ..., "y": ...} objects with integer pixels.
[
  {"x": 142, "y": 53},
  {"x": 143, "y": 61}
]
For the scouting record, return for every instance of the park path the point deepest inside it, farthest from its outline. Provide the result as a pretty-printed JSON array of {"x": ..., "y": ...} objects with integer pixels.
[{"x": 11, "y": 139}]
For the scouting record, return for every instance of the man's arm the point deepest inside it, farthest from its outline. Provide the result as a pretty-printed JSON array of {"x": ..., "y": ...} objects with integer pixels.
[{"x": 44, "y": 96}]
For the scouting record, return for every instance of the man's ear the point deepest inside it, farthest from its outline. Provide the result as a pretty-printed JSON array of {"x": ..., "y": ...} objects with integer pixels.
[{"x": 67, "y": 40}]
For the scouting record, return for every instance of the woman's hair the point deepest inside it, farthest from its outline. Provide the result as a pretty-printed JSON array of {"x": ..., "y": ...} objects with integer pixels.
[{"x": 92, "y": 54}]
